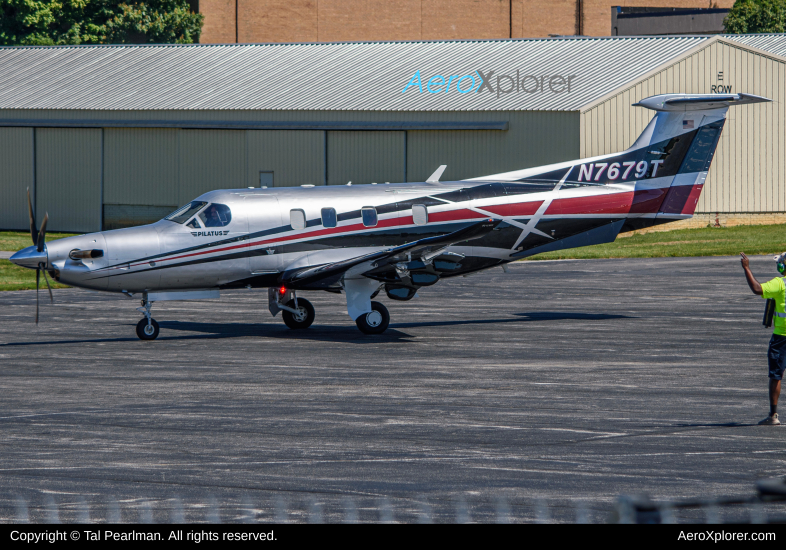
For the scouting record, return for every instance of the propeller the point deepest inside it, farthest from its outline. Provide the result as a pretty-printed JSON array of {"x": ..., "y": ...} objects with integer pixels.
[{"x": 39, "y": 241}]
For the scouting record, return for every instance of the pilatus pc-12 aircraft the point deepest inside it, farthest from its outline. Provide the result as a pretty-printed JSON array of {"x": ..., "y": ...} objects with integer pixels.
[{"x": 363, "y": 239}]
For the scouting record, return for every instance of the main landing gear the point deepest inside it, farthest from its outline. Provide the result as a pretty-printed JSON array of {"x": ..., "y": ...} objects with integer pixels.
[
  {"x": 374, "y": 322},
  {"x": 147, "y": 328},
  {"x": 300, "y": 313}
]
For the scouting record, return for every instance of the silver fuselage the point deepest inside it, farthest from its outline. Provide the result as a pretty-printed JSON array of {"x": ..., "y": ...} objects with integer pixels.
[{"x": 168, "y": 256}]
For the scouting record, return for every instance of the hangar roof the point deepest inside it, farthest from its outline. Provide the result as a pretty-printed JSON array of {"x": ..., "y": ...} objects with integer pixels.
[
  {"x": 364, "y": 76},
  {"x": 772, "y": 43}
]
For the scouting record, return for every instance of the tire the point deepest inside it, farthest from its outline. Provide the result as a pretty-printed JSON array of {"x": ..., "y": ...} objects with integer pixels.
[
  {"x": 374, "y": 322},
  {"x": 144, "y": 332},
  {"x": 304, "y": 319}
]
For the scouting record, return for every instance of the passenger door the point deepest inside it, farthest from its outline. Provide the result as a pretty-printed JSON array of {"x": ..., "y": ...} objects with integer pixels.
[{"x": 264, "y": 218}]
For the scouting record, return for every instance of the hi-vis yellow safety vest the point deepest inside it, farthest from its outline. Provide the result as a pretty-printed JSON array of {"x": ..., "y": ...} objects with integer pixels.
[{"x": 776, "y": 289}]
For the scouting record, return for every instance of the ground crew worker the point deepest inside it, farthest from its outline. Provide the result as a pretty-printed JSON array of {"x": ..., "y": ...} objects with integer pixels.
[{"x": 776, "y": 356}]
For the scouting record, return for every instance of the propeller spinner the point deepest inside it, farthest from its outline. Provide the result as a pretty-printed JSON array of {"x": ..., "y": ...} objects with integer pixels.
[{"x": 35, "y": 257}]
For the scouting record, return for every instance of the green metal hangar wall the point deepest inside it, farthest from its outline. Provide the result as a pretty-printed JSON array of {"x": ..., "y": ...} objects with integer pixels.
[{"x": 110, "y": 136}]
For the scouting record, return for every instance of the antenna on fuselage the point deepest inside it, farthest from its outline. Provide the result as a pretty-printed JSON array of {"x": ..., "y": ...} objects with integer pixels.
[{"x": 434, "y": 178}]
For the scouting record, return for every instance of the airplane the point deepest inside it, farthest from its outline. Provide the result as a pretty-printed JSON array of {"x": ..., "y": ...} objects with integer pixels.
[{"x": 398, "y": 237}]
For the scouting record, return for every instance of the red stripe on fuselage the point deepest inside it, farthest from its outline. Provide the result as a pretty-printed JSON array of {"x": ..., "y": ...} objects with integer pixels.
[
  {"x": 607, "y": 203},
  {"x": 641, "y": 201},
  {"x": 453, "y": 215},
  {"x": 514, "y": 209},
  {"x": 646, "y": 201}
]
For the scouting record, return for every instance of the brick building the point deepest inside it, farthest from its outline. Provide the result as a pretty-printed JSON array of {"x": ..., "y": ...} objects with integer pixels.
[{"x": 259, "y": 21}]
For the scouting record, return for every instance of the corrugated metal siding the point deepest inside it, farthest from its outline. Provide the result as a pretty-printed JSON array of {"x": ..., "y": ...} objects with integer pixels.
[
  {"x": 295, "y": 157},
  {"x": 365, "y": 157},
  {"x": 533, "y": 139},
  {"x": 340, "y": 76},
  {"x": 16, "y": 175},
  {"x": 748, "y": 173},
  {"x": 141, "y": 166},
  {"x": 68, "y": 178},
  {"x": 210, "y": 159},
  {"x": 773, "y": 43}
]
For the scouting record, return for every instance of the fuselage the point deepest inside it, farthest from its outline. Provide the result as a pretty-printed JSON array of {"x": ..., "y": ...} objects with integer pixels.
[{"x": 251, "y": 237}]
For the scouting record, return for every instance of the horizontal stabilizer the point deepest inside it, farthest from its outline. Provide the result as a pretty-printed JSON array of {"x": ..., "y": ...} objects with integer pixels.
[
  {"x": 697, "y": 102},
  {"x": 330, "y": 273}
]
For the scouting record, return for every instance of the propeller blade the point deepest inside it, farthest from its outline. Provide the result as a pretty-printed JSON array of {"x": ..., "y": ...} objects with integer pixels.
[
  {"x": 42, "y": 267},
  {"x": 37, "y": 275},
  {"x": 42, "y": 233},
  {"x": 33, "y": 232}
]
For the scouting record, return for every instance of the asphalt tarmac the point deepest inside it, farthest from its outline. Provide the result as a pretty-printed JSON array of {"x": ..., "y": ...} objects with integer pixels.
[{"x": 522, "y": 396}]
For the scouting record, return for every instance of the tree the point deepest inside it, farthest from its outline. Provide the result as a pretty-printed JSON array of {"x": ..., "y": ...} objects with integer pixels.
[
  {"x": 63, "y": 22},
  {"x": 756, "y": 16}
]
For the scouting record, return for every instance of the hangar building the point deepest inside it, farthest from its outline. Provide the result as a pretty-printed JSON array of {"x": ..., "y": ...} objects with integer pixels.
[{"x": 111, "y": 136}]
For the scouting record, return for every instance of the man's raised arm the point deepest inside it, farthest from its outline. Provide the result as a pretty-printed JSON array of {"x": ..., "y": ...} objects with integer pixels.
[{"x": 752, "y": 282}]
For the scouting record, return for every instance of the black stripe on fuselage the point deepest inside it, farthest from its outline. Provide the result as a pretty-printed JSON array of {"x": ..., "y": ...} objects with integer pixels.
[{"x": 388, "y": 237}]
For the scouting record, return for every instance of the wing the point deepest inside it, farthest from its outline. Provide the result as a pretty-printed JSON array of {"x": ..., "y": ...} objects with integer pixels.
[{"x": 325, "y": 275}]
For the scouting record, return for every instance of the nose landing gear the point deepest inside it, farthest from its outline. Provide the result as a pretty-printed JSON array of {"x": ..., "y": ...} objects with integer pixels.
[{"x": 147, "y": 328}]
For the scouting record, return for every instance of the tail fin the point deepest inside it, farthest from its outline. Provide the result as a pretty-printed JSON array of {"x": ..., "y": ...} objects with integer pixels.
[{"x": 681, "y": 140}]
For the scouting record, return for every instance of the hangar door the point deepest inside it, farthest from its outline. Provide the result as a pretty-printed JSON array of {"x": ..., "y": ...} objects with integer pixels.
[
  {"x": 68, "y": 178},
  {"x": 16, "y": 175},
  {"x": 209, "y": 160},
  {"x": 140, "y": 175},
  {"x": 366, "y": 157}
]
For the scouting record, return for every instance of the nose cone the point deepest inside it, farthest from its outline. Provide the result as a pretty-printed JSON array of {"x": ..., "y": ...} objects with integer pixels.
[{"x": 29, "y": 257}]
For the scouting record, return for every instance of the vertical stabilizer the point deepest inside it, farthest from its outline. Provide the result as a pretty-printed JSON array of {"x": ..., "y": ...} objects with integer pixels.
[{"x": 683, "y": 135}]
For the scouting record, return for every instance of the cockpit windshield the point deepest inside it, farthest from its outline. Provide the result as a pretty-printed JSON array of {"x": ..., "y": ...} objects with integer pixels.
[
  {"x": 182, "y": 214},
  {"x": 216, "y": 215}
]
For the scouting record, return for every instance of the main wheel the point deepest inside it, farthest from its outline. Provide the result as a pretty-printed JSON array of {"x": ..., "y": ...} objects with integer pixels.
[
  {"x": 375, "y": 321},
  {"x": 304, "y": 316},
  {"x": 147, "y": 332}
]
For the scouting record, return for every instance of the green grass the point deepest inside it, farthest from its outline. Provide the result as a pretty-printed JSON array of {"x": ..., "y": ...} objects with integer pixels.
[
  {"x": 710, "y": 241},
  {"x": 13, "y": 277},
  {"x": 17, "y": 240}
]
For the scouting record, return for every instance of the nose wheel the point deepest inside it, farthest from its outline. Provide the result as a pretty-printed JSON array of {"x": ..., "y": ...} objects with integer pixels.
[
  {"x": 147, "y": 330},
  {"x": 375, "y": 321}
]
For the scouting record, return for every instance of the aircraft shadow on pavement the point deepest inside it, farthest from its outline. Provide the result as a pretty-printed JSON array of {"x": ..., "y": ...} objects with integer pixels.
[
  {"x": 328, "y": 333},
  {"x": 520, "y": 318}
]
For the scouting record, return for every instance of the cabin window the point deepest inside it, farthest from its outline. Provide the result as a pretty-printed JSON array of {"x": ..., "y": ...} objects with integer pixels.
[
  {"x": 216, "y": 215},
  {"x": 419, "y": 214},
  {"x": 297, "y": 219},
  {"x": 182, "y": 214},
  {"x": 369, "y": 216},
  {"x": 329, "y": 218}
]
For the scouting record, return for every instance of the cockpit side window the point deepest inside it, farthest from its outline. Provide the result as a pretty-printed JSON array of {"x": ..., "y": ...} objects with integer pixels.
[
  {"x": 182, "y": 214},
  {"x": 194, "y": 223},
  {"x": 216, "y": 215}
]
